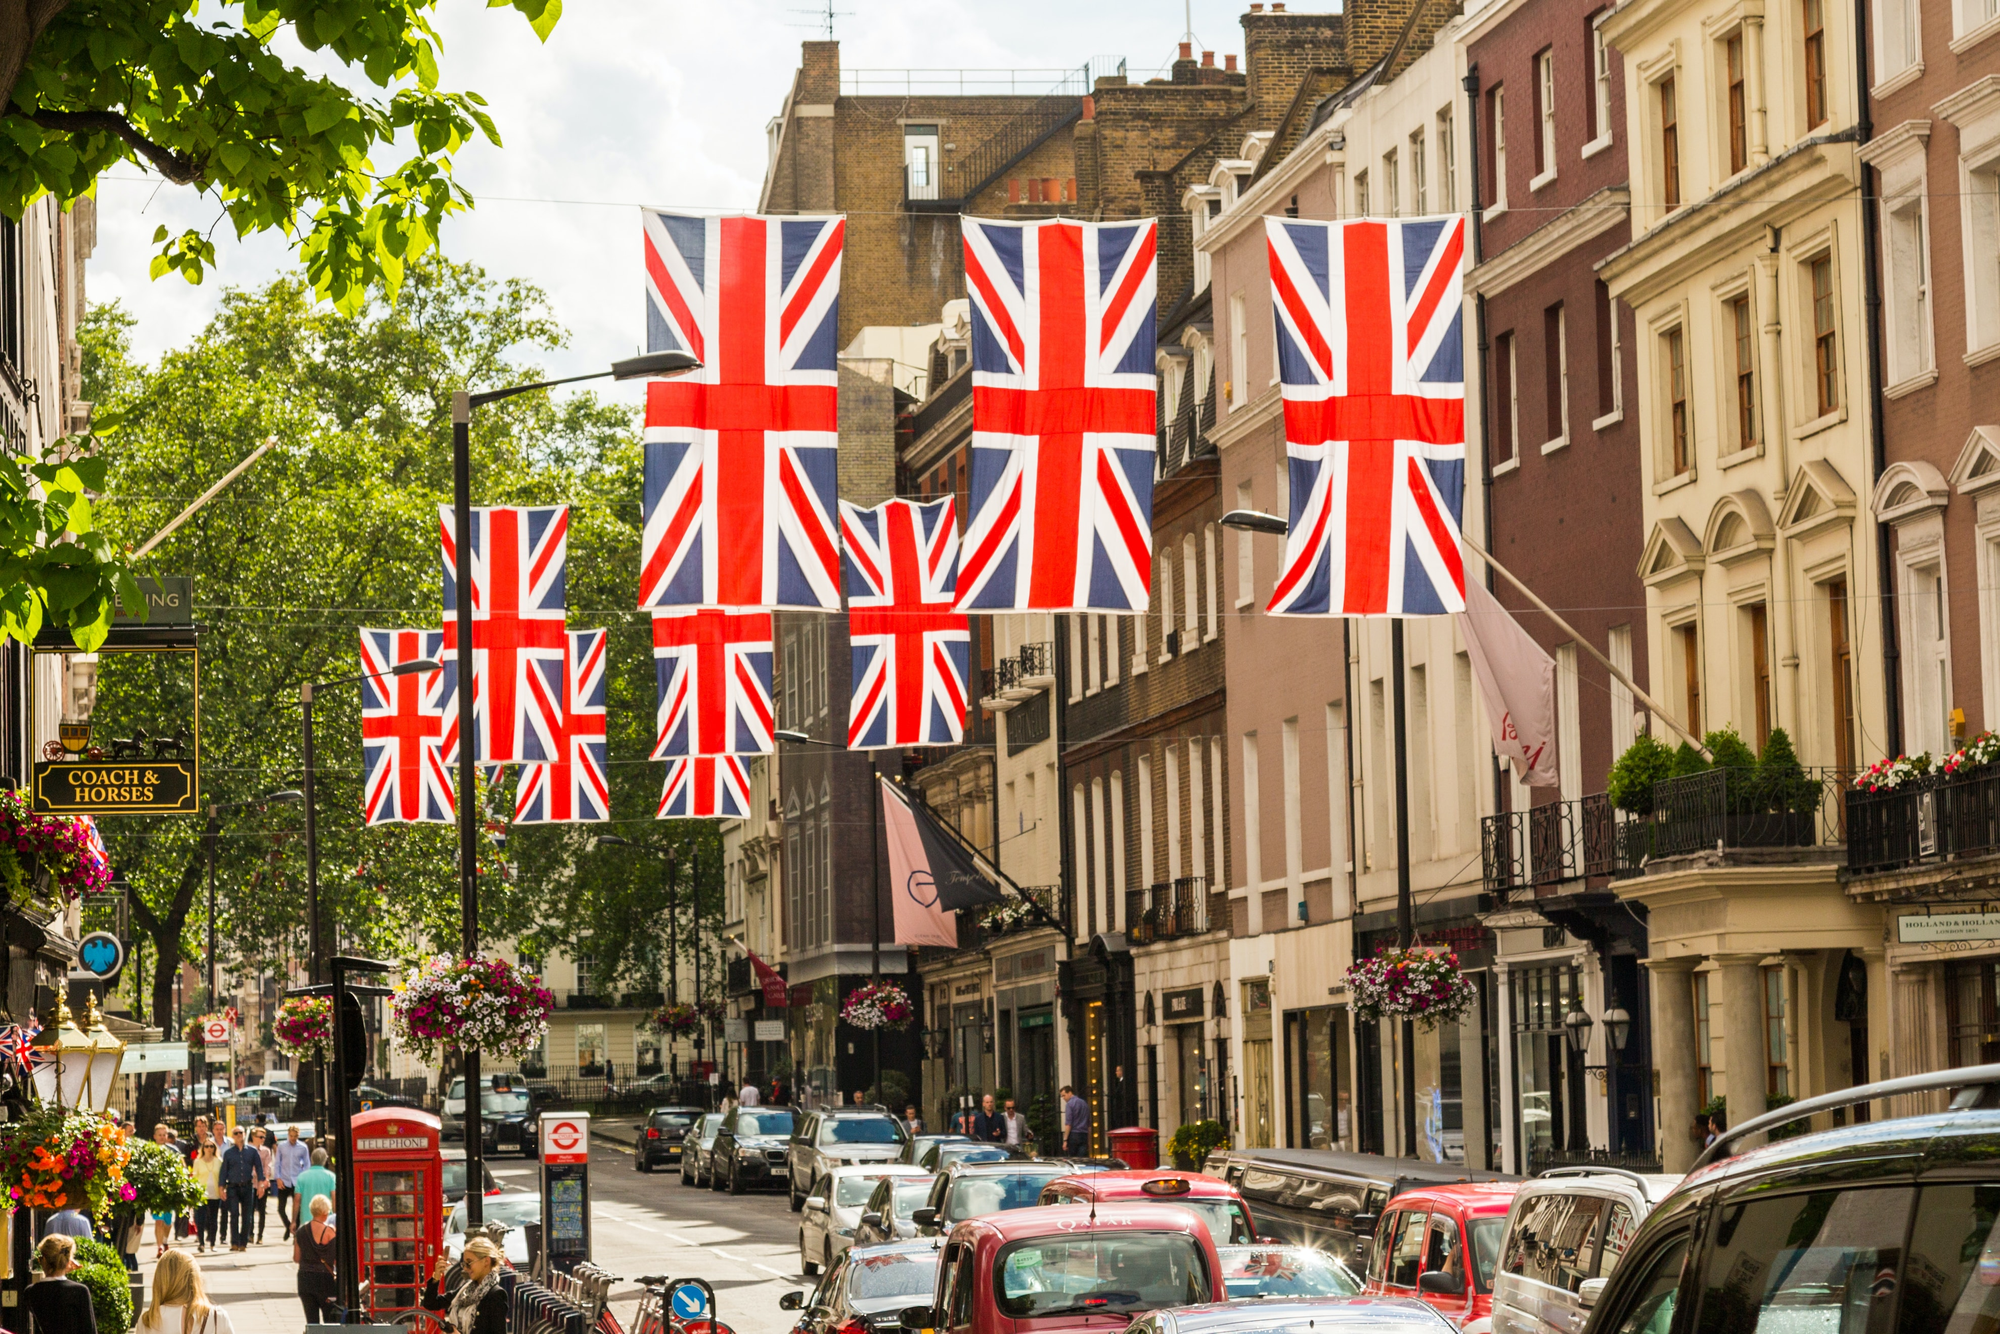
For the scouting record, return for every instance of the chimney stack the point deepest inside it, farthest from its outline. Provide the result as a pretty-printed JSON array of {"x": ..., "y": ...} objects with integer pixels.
[
  {"x": 1187, "y": 50},
  {"x": 1208, "y": 60},
  {"x": 1229, "y": 64}
]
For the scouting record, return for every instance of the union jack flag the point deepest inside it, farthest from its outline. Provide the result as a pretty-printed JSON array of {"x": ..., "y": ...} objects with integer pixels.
[
  {"x": 714, "y": 669},
  {"x": 1063, "y": 390},
  {"x": 402, "y": 732},
  {"x": 18, "y": 1040},
  {"x": 1372, "y": 361},
  {"x": 740, "y": 477},
  {"x": 912, "y": 652},
  {"x": 519, "y": 561},
  {"x": 699, "y": 786},
  {"x": 577, "y": 786}
]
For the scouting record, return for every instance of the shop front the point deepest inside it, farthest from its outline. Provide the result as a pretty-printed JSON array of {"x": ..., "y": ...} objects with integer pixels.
[
  {"x": 1096, "y": 991},
  {"x": 1024, "y": 983}
]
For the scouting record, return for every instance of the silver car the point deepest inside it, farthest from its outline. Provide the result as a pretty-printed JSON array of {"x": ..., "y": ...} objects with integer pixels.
[
  {"x": 834, "y": 1205},
  {"x": 700, "y": 1141},
  {"x": 1566, "y": 1232},
  {"x": 886, "y": 1216}
]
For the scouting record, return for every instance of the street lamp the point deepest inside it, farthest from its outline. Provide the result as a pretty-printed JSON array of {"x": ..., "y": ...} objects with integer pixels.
[{"x": 78, "y": 1066}]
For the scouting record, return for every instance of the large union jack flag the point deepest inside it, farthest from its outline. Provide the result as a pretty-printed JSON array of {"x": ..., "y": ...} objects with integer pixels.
[
  {"x": 1063, "y": 417},
  {"x": 740, "y": 475},
  {"x": 912, "y": 652},
  {"x": 706, "y": 786},
  {"x": 576, "y": 787},
  {"x": 1372, "y": 360},
  {"x": 714, "y": 669},
  {"x": 402, "y": 731},
  {"x": 519, "y": 559}
]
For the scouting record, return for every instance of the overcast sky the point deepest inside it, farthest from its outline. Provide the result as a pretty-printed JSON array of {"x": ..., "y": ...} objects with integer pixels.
[{"x": 632, "y": 103}]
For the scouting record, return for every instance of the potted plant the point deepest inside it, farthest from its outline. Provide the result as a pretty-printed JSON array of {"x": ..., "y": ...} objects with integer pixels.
[
  {"x": 453, "y": 1004},
  {"x": 54, "y": 1158},
  {"x": 1190, "y": 1145},
  {"x": 679, "y": 1017}
]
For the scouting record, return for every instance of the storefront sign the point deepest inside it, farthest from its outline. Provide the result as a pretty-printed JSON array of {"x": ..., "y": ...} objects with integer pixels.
[
  {"x": 736, "y": 1030},
  {"x": 102, "y": 787},
  {"x": 169, "y": 601},
  {"x": 391, "y": 1143},
  {"x": 102, "y": 956},
  {"x": 1043, "y": 1019},
  {"x": 1931, "y": 928},
  {"x": 770, "y": 1030},
  {"x": 1181, "y": 1005}
]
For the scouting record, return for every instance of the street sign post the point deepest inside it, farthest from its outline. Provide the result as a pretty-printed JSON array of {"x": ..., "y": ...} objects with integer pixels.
[{"x": 565, "y": 1149}]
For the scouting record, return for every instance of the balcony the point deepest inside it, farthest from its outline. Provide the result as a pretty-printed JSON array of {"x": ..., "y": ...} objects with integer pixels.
[
  {"x": 1170, "y": 910},
  {"x": 1026, "y": 673},
  {"x": 1013, "y": 917},
  {"x": 1560, "y": 842},
  {"x": 1937, "y": 818}
]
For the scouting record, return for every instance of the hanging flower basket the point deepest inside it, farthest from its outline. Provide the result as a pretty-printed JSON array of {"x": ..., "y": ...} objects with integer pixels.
[
  {"x": 1421, "y": 983},
  {"x": 454, "y": 1004},
  {"x": 304, "y": 1028},
  {"x": 676, "y": 1018},
  {"x": 877, "y": 1005},
  {"x": 57, "y": 1159},
  {"x": 60, "y": 847}
]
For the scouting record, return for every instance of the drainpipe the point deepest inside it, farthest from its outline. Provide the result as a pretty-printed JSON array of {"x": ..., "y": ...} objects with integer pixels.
[{"x": 1497, "y": 774}]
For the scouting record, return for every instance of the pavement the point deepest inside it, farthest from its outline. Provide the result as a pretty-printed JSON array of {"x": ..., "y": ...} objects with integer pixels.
[{"x": 746, "y": 1246}]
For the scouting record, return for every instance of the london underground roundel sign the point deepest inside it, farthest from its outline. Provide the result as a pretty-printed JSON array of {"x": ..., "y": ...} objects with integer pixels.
[{"x": 566, "y": 1138}]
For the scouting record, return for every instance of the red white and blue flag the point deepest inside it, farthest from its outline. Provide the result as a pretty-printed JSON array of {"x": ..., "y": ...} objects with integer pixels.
[
  {"x": 1063, "y": 416},
  {"x": 714, "y": 671},
  {"x": 577, "y": 786},
  {"x": 740, "y": 473},
  {"x": 519, "y": 560},
  {"x": 912, "y": 652},
  {"x": 701, "y": 786},
  {"x": 1371, "y": 356},
  {"x": 402, "y": 732}
]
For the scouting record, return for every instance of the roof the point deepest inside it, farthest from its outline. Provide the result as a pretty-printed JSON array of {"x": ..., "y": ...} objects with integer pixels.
[
  {"x": 1366, "y": 1166},
  {"x": 1000, "y": 1167},
  {"x": 1130, "y": 1183},
  {"x": 1474, "y": 1197},
  {"x": 1905, "y": 1147},
  {"x": 1073, "y": 1219},
  {"x": 679, "y": 1107},
  {"x": 1321, "y": 1312},
  {"x": 1653, "y": 1185}
]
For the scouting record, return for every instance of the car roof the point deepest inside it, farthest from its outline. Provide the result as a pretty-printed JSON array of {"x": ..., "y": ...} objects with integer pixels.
[
  {"x": 1473, "y": 1198},
  {"x": 1363, "y": 1165},
  {"x": 851, "y": 1113},
  {"x": 1077, "y": 1219},
  {"x": 679, "y": 1107},
  {"x": 878, "y": 1170},
  {"x": 1130, "y": 1184},
  {"x": 509, "y": 1197},
  {"x": 904, "y": 1247},
  {"x": 1655, "y": 1186},
  {"x": 1263, "y": 1313},
  {"x": 1906, "y": 1146},
  {"x": 1003, "y": 1167}
]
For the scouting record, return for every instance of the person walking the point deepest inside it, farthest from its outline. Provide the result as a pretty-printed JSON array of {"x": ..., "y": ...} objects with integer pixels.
[
  {"x": 242, "y": 1174},
  {"x": 1076, "y": 1124},
  {"x": 200, "y": 1138},
  {"x": 57, "y": 1304},
  {"x": 208, "y": 1172},
  {"x": 911, "y": 1121},
  {"x": 180, "y": 1302},
  {"x": 479, "y": 1304},
  {"x": 260, "y": 1141},
  {"x": 747, "y": 1095},
  {"x": 313, "y": 1252},
  {"x": 1016, "y": 1125},
  {"x": 290, "y": 1158},
  {"x": 987, "y": 1127},
  {"x": 315, "y": 1180},
  {"x": 67, "y": 1222},
  {"x": 163, "y": 1223}
]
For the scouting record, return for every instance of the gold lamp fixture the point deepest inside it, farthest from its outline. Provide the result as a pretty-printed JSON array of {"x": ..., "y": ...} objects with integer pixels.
[{"x": 78, "y": 1066}]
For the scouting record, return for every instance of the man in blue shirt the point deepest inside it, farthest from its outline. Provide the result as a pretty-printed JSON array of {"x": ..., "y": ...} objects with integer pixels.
[
  {"x": 242, "y": 1173},
  {"x": 289, "y": 1159},
  {"x": 1076, "y": 1123}
]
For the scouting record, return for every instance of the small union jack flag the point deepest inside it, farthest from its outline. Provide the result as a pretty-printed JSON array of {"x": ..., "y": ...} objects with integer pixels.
[
  {"x": 714, "y": 670},
  {"x": 740, "y": 475},
  {"x": 519, "y": 562},
  {"x": 1372, "y": 361},
  {"x": 706, "y": 786},
  {"x": 402, "y": 732},
  {"x": 18, "y": 1040},
  {"x": 1063, "y": 416},
  {"x": 912, "y": 652},
  {"x": 577, "y": 787}
]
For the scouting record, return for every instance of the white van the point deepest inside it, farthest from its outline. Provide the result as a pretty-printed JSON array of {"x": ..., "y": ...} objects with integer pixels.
[{"x": 1566, "y": 1232}]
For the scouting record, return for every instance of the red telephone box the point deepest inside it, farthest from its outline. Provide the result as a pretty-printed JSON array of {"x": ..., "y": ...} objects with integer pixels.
[{"x": 398, "y": 1191}]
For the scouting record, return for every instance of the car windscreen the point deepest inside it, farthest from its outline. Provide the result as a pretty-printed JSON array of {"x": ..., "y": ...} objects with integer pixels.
[
  {"x": 504, "y": 1103},
  {"x": 513, "y": 1213},
  {"x": 763, "y": 1123},
  {"x": 977, "y": 1196},
  {"x": 1487, "y": 1234},
  {"x": 892, "y": 1280},
  {"x": 853, "y": 1191},
  {"x": 861, "y": 1130},
  {"x": 1285, "y": 1271},
  {"x": 709, "y": 1125},
  {"x": 664, "y": 1120},
  {"x": 1108, "y": 1272}
]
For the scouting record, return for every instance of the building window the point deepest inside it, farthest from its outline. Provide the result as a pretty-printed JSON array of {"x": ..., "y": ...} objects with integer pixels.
[
  {"x": 1239, "y": 353},
  {"x": 1361, "y": 193},
  {"x": 1842, "y": 667},
  {"x": 1909, "y": 303},
  {"x": 1982, "y": 254},
  {"x": 1815, "y": 54},
  {"x": 1545, "y": 114},
  {"x": 1704, "y": 1077},
  {"x": 1673, "y": 349},
  {"x": 593, "y": 1058},
  {"x": 1447, "y": 164},
  {"x": 1599, "y": 104},
  {"x": 1898, "y": 43},
  {"x": 920, "y": 161},
  {"x": 1777, "y": 1052},
  {"x": 1687, "y": 642},
  {"x": 1928, "y": 658},
  {"x": 1211, "y": 591},
  {"x": 1419, "y": 188},
  {"x": 1392, "y": 189},
  {"x": 1746, "y": 374},
  {"x": 1757, "y": 628},
  {"x": 1498, "y": 120},
  {"x": 1166, "y": 587},
  {"x": 1670, "y": 147},
  {"x": 1826, "y": 366},
  {"x": 1555, "y": 356},
  {"x": 1506, "y": 398},
  {"x": 1609, "y": 352},
  {"x": 1970, "y": 1011},
  {"x": 1190, "y": 592},
  {"x": 1739, "y": 112}
]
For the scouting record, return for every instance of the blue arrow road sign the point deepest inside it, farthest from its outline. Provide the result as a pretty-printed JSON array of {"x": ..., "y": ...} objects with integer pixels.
[{"x": 690, "y": 1301}]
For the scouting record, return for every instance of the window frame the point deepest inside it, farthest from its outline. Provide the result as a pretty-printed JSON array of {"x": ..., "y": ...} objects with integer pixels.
[
  {"x": 1740, "y": 332},
  {"x": 1734, "y": 52},
  {"x": 1447, "y": 161},
  {"x": 1677, "y": 420},
  {"x": 1826, "y": 384},
  {"x": 1666, "y": 114},
  {"x": 1496, "y": 118},
  {"x": 1602, "y": 125},
  {"x": 1555, "y": 329},
  {"x": 1545, "y": 118},
  {"x": 1814, "y": 82},
  {"x": 1507, "y": 401}
]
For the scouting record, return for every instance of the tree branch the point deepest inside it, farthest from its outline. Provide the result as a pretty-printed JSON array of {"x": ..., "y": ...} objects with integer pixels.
[{"x": 180, "y": 168}]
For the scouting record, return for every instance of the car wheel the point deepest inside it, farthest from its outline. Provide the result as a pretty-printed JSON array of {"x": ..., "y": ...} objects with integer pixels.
[
  {"x": 735, "y": 1182},
  {"x": 642, "y": 1162},
  {"x": 715, "y": 1176},
  {"x": 794, "y": 1201}
]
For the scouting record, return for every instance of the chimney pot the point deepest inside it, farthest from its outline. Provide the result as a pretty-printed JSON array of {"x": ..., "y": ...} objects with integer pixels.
[
  {"x": 1278, "y": 6},
  {"x": 1208, "y": 60},
  {"x": 1257, "y": 8},
  {"x": 1187, "y": 50},
  {"x": 1229, "y": 64}
]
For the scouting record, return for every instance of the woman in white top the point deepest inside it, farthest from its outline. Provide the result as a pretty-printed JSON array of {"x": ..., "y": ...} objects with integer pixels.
[{"x": 180, "y": 1302}]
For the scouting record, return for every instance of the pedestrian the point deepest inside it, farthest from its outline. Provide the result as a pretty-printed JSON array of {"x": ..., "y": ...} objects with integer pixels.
[
  {"x": 163, "y": 1223},
  {"x": 1015, "y": 1123},
  {"x": 67, "y": 1222},
  {"x": 242, "y": 1174},
  {"x": 290, "y": 1158},
  {"x": 59, "y": 1305},
  {"x": 747, "y": 1095},
  {"x": 1717, "y": 1124},
  {"x": 986, "y": 1124},
  {"x": 207, "y": 1171},
  {"x": 180, "y": 1302},
  {"x": 260, "y": 1141},
  {"x": 315, "y": 1180},
  {"x": 313, "y": 1253},
  {"x": 1076, "y": 1124},
  {"x": 479, "y": 1305},
  {"x": 781, "y": 1092},
  {"x": 911, "y": 1121},
  {"x": 200, "y": 1137},
  {"x": 860, "y": 1097}
]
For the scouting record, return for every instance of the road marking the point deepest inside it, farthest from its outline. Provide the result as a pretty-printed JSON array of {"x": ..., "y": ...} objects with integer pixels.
[{"x": 767, "y": 1269}]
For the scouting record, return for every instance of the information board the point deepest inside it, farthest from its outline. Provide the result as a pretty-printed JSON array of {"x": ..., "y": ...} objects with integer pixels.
[{"x": 565, "y": 1163}]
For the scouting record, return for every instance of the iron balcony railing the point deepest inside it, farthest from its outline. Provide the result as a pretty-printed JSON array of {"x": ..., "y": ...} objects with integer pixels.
[
  {"x": 1748, "y": 808},
  {"x": 1025, "y": 664},
  {"x": 1559, "y": 842},
  {"x": 1169, "y": 910},
  {"x": 1933, "y": 818}
]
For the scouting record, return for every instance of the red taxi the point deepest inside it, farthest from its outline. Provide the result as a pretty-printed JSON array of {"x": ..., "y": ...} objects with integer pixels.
[
  {"x": 1213, "y": 1200},
  {"x": 1440, "y": 1244},
  {"x": 1073, "y": 1267}
]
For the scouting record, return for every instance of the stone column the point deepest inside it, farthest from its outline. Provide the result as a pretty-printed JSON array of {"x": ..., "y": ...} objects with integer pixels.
[
  {"x": 1742, "y": 1041},
  {"x": 1673, "y": 1056}
]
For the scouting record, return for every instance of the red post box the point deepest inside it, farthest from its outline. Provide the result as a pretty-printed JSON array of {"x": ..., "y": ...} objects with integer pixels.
[
  {"x": 399, "y": 1193},
  {"x": 1139, "y": 1146}
]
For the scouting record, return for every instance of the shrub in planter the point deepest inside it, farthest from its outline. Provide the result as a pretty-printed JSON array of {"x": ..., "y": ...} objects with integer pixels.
[
  {"x": 1783, "y": 780},
  {"x": 1688, "y": 760},
  {"x": 1192, "y": 1143},
  {"x": 1645, "y": 762},
  {"x": 1732, "y": 753},
  {"x": 110, "y": 1295}
]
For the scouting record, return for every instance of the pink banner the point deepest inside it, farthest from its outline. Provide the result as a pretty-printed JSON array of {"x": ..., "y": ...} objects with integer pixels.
[{"x": 919, "y": 919}]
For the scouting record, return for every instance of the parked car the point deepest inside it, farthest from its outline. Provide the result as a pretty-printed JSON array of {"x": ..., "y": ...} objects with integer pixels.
[
  {"x": 937, "y": 1157},
  {"x": 833, "y": 1207},
  {"x": 451, "y": 1122},
  {"x": 1263, "y": 1271},
  {"x": 974, "y": 1190},
  {"x": 824, "y": 1140},
  {"x": 1216, "y": 1202},
  {"x": 1031, "y": 1271},
  {"x": 1318, "y": 1197},
  {"x": 697, "y": 1147},
  {"x": 508, "y": 1114},
  {"x": 516, "y": 1209},
  {"x": 1323, "y": 1315},
  {"x": 1865, "y": 1227},
  {"x": 665, "y": 1137},
  {"x": 1439, "y": 1244},
  {"x": 915, "y": 1146},
  {"x": 1566, "y": 1226},
  {"x": 866, "y": 1289},
  {"x": 886, "y": 1215},
  {"x": 751, "y": 1149}
]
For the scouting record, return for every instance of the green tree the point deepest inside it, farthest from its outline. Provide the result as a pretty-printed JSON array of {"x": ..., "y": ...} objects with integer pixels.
[{"x": 1645, "y": 762}]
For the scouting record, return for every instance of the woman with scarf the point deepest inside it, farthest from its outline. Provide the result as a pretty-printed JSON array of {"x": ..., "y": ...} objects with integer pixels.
[{"x": 479, "y": 1304}]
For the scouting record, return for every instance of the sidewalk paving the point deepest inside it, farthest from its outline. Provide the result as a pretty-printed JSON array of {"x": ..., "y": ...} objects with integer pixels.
[{"x": 257, "y": 1287}]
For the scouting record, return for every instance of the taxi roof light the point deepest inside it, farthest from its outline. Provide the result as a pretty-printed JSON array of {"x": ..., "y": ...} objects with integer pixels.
[{"x": 1167, "y": 1186}]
